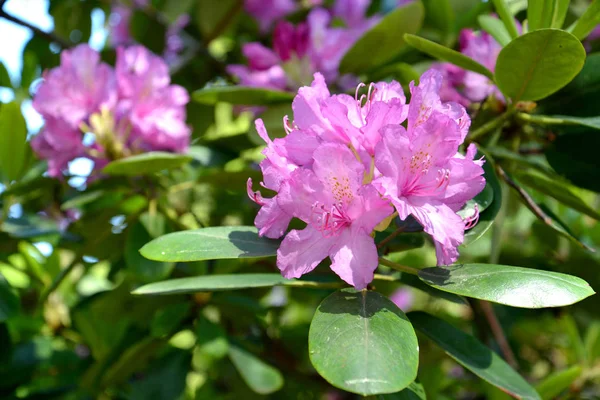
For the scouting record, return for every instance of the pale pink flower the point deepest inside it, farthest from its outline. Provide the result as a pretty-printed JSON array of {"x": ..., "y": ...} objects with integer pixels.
[
  {"x": 267, "y": 12},
  {"x": 484, "y": 49},
  {"x": 403, "y": 297},
  {"x": 81, "y": 86},
  {"x": 58, "y": 143}
]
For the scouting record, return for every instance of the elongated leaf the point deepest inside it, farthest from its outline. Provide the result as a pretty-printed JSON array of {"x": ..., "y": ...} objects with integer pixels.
[
  {"x": 538, "y": 12},
  {"x": 146, "y": 163},
  {"x": 243, "y": 95},
  {"x": 445, "y": 54},
  {"x": 488, "y": 211},
  {"x": 587, "y": 22},
  {"x": 210, "y": 244},
  {"x": 4, "y": 77},
  {"x": 385, "y": 40},
  {"x": 560, "y": 190},
  {"x": 414, "y": 391},
  {"x": 555, "y": 384},
  {"x": 539, "y": 63},
  {"x": 588, "y": 122},
  {"x": 258, "y": 375},
  {"x": 559, "y": 13},
  {"x": 9, "y": 302},
  {"x": 473, "y": 355},
  {"x": 440, "y": 15},
  {"x": 212, "y": 283},
  {"x": 507, "y": 18},
  {"x": 561, "y": 228},
  {"x": 362, "y": 342},
  {"x": 511, "y": 286},
  {"x": 494, "y": 27},
  {"x": 13, "y": 146}
]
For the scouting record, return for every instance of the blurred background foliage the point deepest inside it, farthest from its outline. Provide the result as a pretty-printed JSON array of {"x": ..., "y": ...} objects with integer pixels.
[{"x": 69, "y": 327}]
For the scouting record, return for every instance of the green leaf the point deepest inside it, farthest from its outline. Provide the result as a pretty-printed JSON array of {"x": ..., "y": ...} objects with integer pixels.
[
  {"x": 211, "y": 283},
  {"x": 13, "y": 145},
  {"x": 440, "y": 14},
  {"x": 243, "y": 95},
  {"x": 538, "y": 12},
  {"x": 4, "y": 77},
  {"x": 552, "y": 386},
  {"x": 494, "y": 27},
  {"x": 473, "y": 355},
  {"x": 575, "y": 156},
  {"x": 560, "y": 190},
  {"x": 539, "y": 63},
  {"x": 445, "y": 54},
  {"x": 507, "y": 18},
  {"x": 559, "y": 13},
  {"x": 9, "y": 302},
  {"x": 489, "y": 211},
  {"x": 146, "y": 163},
  {"x": 383, "y": 41},
  {"x": 414, "y": 391},
  {"x": 258, "y": 375},
  {"x": 587, "y": 22},
  {"x": 210, "y": 244},
  {"x": 578, "y": 98},
  {"x": 363, "y": 343},
  {"x": 511, "y": 286},
  {"x": 589, "y": 122},
  {"x": 140, "y": 267}
]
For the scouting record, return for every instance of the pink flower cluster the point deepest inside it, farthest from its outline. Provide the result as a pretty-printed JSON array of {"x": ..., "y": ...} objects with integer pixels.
[
  {"x": 349, "y": 164},
  {"x": 464, "y": 86},
  {"x": 301, "y": 50},
  {"x": 129, "y": 109}
]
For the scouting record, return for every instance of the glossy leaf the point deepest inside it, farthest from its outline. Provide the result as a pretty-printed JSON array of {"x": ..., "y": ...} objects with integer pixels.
[
  {"x": 555, "y": 384},
  {"x": 507, "y": 18},
  {"x": 258, "y": 375},
  {"x": 384, "y": 41},
  {"x": 495, "y": 27},
  {"x": 587, "y": 22},
  {"x": 539, "y": 63},
  {"x": 487, "y": 212},
  {"x": 146, "y": 163},
  {"x": 14, "y": 150},
  {"x": 243, "y": 95},
  {"x": 445, "y": 54},
  {"x": 511, "y": 286},
  {"x": 211, "y": 283},
  {"x": 363, "y": 343},
  {"x": 473, "y": 355},
  {"x": 560, "y": 190},
  {"x": 210, "y": 244},
  {"x": 9, "y": 302}
]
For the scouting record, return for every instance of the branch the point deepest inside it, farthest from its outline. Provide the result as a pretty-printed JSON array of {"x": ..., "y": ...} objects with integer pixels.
[
  {"x": 398, "y": 267},
  {"x": 51, "y": 37},
  {"x": 498, "y": 333},
  {"x": 491, "y": 125}
]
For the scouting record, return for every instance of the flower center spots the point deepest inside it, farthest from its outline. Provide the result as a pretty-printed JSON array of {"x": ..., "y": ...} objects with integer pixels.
[
  {"x": 329, "y": 221},
  {"x": 340, "y": 189}
]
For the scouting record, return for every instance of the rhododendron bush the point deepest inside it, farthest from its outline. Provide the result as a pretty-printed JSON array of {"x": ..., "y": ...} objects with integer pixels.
[{"x": 301, "y": 199}]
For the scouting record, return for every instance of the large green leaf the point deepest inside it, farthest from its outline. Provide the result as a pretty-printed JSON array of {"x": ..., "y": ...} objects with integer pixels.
[
  {"x": 9, "y": 302},
  {"x": 258, "y": 375},
  {"x": 587, "y": 22},
  {"x": 562, "y": 191},
  {"x": 210, "y": 244},
  {"x": 14, "y": 150},
  {"x": 512, "y": 286},
  {"x": 146, "y": 163},
  {"x": 385, "y": 40},
  {"x": 445, "y": 54},
  {"x": 539, "y": 63},
  {"x": 575, "y": 156},
  {"x": 473, "y": 355},
  {"x": 362, "y": 342},
  {"x": 552, "y": 386},
  {"x": 212, "y": 283},
  {"x": 414, "y": 391},
  {"x": 243, "y": 95}
]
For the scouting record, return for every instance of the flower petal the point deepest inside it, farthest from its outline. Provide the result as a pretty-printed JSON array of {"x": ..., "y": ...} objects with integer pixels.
[
  {"x": 354, "y": 257},
  {"x": 301, "y": 251}
]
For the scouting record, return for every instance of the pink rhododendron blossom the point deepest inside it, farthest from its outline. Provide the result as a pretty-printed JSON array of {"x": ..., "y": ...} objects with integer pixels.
[
  {"x": 267, "y": 12},
  {"x": 346, "y": 160},
  {"x": 403, "y": 298},
  {"x": 130, "y": 109},
  {"x": 300, "y": 51}
]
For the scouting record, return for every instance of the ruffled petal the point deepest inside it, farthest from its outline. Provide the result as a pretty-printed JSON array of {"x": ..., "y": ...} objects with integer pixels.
[
  {"x": 301, "y": 251},
  {"x": 354, "y": 257}
]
